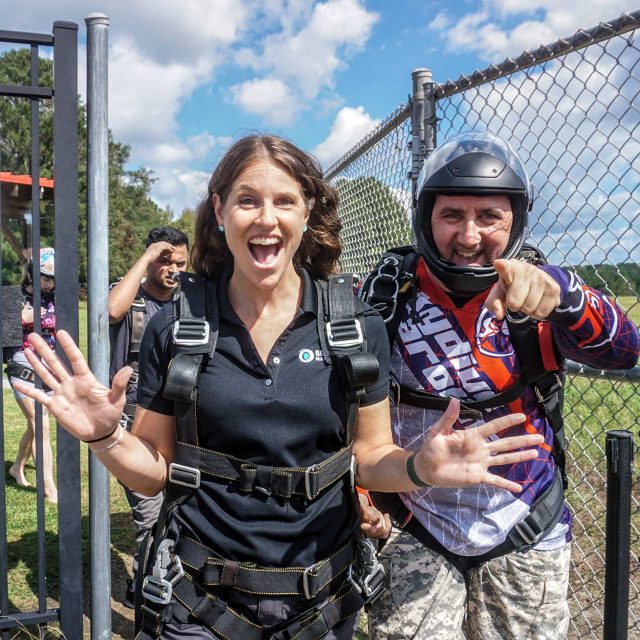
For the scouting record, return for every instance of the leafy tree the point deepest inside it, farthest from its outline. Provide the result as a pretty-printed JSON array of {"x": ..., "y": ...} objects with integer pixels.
[
  {"x": 131, "y": 210},
  {"x": 186, "y": 223},
  {"x": 374, "y": 219},
  {"x": 620, "y": 280}
]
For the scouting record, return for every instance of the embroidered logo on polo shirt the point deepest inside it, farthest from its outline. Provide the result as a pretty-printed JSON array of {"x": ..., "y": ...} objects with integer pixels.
[{"x": 309, "y": 355}]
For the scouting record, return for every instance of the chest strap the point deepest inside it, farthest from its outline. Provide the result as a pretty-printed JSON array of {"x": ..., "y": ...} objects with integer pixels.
[
  {"x": 278, "y": 481},
  {"x": 471, "y": 409}
]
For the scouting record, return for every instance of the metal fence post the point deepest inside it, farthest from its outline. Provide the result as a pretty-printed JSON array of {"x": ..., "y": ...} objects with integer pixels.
[
  {"x": 419, "y": 109},
  {"x": 65, "y": 150},
  {"x": 98, "y": 320},
  {"x": 616, "y": 595}
]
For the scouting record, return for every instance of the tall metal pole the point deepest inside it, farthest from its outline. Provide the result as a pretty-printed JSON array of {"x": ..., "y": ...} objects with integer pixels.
[
  {"x": 423, "y": 126},
  {"x": 618, "y": 550},
  {"x": 65, "y": 152},
  {"x": 98, "y": 289}
]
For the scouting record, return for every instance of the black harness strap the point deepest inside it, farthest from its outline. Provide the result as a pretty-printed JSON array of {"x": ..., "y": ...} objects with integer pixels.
[
  {"x": 137, "y": 312},
  {"x": 544, "y": 514},
  {"x": 278, "y": 481},
  {"x": 252, "y": 578}
]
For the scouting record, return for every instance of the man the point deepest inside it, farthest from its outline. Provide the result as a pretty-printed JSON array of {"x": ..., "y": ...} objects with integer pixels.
[
  {"x": 133, "y": 301},
  {"x": 479, "y": 317}
]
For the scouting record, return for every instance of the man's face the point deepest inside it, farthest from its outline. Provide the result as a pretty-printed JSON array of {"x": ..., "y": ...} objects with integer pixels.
[
  {"x": 471, "y": 230},
  {"x": 160, "y": 272}
]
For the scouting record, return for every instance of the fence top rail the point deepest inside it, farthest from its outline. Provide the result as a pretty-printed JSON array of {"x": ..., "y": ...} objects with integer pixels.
[
  {"x": 628, "y": 375},
  {"x": 23, "y": 37},
  {"x": 399, "y": 115},
  {"x": 582, "y": 38}
]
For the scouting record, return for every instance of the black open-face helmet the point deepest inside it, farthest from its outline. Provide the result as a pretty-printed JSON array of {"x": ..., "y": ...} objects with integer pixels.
[{"x": 474, "y": 164}]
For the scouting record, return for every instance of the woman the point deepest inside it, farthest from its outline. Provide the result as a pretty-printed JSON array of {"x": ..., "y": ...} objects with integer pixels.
[
  {"x": 19, "y": 368},
  {"x": 266, "y": 233}
]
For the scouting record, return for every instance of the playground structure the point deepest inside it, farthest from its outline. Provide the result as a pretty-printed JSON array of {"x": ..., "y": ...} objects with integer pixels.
[{"x": 15, "y": 204}]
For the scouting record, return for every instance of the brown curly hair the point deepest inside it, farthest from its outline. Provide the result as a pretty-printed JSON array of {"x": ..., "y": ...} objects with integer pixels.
[{"x": 320, "y": 247}]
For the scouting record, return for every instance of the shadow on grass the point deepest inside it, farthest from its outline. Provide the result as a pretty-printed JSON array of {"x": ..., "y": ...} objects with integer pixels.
[{"x": 22, "y": 557}]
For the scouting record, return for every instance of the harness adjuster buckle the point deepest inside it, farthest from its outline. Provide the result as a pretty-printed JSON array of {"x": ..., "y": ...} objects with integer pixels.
[
  {"x": 306, "y": 582},
  {"x": 125, "y": 421},
  {"x": 310, "y": 491},
  {"x": 138, "y": 305},
  {"x": 344, "y": 333},
  {"x": 191, "y": 332},
  {"x": 183, "y": 475},
  {"x": 26, "y": 374},
  {"x": 530, "y": 534},
  {"x": 369, "y": 577},
  {"x": 156, "y": 587}
]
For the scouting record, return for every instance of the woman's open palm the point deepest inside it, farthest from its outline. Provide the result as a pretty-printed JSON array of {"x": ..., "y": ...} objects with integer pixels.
[{"x": 83, "y": 406}]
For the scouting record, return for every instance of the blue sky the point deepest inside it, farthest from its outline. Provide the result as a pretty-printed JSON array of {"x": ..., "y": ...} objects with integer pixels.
[{"x": 187, "y": 78}]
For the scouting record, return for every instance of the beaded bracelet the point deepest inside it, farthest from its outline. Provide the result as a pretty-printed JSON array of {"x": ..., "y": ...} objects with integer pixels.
[
  {"x": 411, "y": 472},
  {"x": 100, "y": 439},
  {"x": 114, "y": 443}
]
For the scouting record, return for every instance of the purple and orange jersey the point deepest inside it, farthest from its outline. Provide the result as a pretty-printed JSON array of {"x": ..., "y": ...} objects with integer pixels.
[{"x": 466, "y": 352}]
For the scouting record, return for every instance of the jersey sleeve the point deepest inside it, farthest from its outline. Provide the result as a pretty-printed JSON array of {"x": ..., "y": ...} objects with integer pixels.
[
  {"x": 153, "y": 362},
  {"x": 378, "y": 344},
  {"x": 589, "y": 327}
]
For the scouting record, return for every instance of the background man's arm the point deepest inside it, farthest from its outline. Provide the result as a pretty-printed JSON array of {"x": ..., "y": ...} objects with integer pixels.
[{"x": 123, "y": 294}]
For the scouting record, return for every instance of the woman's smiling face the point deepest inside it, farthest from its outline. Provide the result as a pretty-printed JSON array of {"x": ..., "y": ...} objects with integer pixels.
[{"x": 263, "y": 217}]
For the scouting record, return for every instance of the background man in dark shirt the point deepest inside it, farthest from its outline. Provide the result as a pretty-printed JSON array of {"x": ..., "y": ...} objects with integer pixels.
[{"x": 133, "y": 300}]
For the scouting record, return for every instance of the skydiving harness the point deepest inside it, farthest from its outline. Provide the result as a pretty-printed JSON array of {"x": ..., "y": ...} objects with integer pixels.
[
  {"x": 16, "y": 369},
  {"x": 183, "y": 568},
  {"x": 388, "y": 289},
  {"x": 137, "y": 312}
]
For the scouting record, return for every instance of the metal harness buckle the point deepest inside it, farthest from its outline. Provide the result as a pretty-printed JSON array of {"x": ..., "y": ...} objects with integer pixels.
[
  {"x": 530, "y": 535},
  {"x": 307, "y": 483},
  {"x": 306, "y": 587},
  {"x": 344, "y": 333},
  {"x": 393, "y": 266},
  {"x": 156, "y": 587},
  {"x": 366, "y": 574},
  {"x": 183, "y": 475},
  {"x": 191, "y": 332},
  {"x": 27, "y": 375}
]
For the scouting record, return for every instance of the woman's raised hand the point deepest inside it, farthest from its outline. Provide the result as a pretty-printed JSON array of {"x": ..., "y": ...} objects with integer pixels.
[
  {"x": 454, "y": 458},
  {"x": 83, "y": 406}
]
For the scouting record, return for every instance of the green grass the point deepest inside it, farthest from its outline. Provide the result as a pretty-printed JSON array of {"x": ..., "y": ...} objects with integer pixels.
[
  {"x": 631, "y": 304},
  {"x": 22, "y": 547}
]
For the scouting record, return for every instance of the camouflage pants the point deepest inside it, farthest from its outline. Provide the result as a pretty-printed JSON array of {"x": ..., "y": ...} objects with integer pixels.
[{"x": 515, "y": 597}]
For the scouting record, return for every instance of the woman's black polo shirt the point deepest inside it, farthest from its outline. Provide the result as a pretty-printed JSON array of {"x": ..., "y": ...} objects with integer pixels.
[{"x": 289, "y": 412}]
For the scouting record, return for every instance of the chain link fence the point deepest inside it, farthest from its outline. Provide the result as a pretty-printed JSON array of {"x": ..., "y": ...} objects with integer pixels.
[{"x": 572, "y": 111}]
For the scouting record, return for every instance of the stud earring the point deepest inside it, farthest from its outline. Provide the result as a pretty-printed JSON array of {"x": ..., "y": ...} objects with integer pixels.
[
  {"x": 304, "y": 228},
  {"x": 221, "y": 228}
]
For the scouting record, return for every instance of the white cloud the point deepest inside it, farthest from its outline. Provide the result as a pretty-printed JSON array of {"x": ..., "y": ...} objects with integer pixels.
[
  {"x": 161, "y": 52},
  {"x": 270, "y": 98},
  {"x": 349, "y": 127},
  {"x": 492, "y": 34},
  {"x": 306, "y": 60},
  {"x": 180, "y": 187}
]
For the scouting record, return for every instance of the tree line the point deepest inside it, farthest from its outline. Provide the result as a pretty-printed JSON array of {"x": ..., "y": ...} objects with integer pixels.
[
  {"x": 132, "y": 212},
  {"x": 622, "y": 279}
]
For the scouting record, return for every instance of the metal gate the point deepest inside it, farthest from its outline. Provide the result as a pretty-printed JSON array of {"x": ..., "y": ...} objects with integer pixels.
[{"x": 63, "y": 42}]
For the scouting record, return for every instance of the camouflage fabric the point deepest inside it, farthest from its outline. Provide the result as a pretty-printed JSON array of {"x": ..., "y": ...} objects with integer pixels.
[{"x": 515, "y": 597}]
